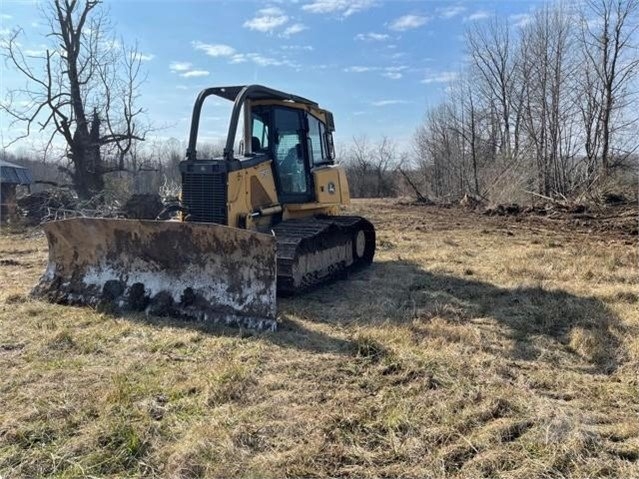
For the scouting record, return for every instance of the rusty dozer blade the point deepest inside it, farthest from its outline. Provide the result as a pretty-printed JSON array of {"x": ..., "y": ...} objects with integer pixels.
[{"x": 201, "y": 271}]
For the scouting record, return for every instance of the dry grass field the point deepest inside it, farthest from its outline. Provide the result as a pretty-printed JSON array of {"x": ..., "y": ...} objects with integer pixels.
[{"x": 473, "y": 347}]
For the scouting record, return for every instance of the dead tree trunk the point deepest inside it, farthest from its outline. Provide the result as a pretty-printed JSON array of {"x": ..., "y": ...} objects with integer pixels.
[{"x": 87, "y": 94}]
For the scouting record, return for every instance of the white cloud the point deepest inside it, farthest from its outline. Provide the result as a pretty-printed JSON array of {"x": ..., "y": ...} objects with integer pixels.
[
  {"x": 359, "y": 69},
  {"x": 394, "y": 72},
  {"x": 293, "y": 29},
  {"x": 194, "y": 74},
  {"x": 235, "y": 57},
  {"x": 35, "y": 53},
  {"x": 180, "y": 66},
  {"x": 214, "y": 50},
  {"x": 392, "y": 75},
  {"x": 186, "y": 70},
  {"x": 478, "y": 15},
  {"x": 441, "y": 77},
  {"x": 307, "y": 48},
  {"x": 345, "y": 8},
  {"x": 389, "y": 102},
  {"x": 372, "y": 36},
  {"x": 260, "y": 60},
  {"x": 239, "y": 58},
  {"x": 520, "y": 19},
  {"x": 408, "y": 22},
  {"x": 267, "y": 20},
  {"x": 270, "y": 11},
  {"x": 263, "y": 61},
  {"x": 452, "y": 11},
  {"x": 5, "y": 16},
  {"x": 181, "y": 87},
  {"x": 110, "y": 44},
  {"x": 143, "y": 57}
]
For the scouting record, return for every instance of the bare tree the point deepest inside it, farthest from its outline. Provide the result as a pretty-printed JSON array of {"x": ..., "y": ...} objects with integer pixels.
[
  {"x": 546, "y": 70},
  {"x": 465, "y": 116},
  {"x": 83, "y": 90},
  {"x": 372, "y": 167},
  {"x": 491, "y": 50},
  {"x": 608, "y": 29},
  {"x": 437, "y": 150},
  {"x": 358, "y": 162},
  {"x": 385, "y": 157}
]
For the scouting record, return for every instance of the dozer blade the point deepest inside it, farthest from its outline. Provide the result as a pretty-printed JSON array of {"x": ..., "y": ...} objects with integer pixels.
[{"x": 201, "y": 271}]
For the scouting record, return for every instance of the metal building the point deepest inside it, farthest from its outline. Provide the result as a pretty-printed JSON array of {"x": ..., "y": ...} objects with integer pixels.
[{"x": 11, "y": 175}]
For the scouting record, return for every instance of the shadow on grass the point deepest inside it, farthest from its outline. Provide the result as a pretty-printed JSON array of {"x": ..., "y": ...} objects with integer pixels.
[
  {"x": 290, "y": 333},
  {"x": 400, "y": 292}
]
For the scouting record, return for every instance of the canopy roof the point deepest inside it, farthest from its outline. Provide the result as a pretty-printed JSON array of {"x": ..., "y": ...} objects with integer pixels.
[
  {"x": 256, "y": 92},
  {"x": 14, "y": 174}
]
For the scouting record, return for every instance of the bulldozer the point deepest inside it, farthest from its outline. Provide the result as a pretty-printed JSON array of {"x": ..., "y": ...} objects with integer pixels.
[{"x": 252, "y": 224}]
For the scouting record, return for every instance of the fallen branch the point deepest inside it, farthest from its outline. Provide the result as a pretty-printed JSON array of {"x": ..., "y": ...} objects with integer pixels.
[
  {"x": 547, "y": 198},
  {"x": 420, "y": 197},
  {"x": 52, "y": 183}
]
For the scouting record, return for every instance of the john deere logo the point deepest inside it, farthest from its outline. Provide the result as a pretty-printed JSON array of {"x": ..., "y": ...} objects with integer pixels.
[{"x": 331, "y": 188}]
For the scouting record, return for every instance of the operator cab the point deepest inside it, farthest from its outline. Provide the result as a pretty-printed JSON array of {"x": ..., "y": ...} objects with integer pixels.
[
  {"x": 291, "y": 130},
  {"x": 284, "y": 163},
  {"x": 296, "y": 141}
]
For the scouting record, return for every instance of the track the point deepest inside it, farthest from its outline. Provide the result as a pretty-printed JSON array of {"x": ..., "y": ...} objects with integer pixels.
[{"x": 312, "y": 251}]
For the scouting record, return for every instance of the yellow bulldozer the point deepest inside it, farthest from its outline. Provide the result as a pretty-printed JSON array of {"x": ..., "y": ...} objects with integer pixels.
[{"x": 261, "y": 221}]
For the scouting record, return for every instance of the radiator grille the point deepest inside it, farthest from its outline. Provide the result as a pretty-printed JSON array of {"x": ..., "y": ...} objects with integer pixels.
[{"x": 204, "y": 195}]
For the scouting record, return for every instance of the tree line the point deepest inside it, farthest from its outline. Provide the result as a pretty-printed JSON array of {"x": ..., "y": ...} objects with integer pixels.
[{"x": 547, "y": 108}]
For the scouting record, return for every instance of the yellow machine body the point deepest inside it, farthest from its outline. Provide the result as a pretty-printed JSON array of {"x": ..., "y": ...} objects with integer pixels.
[
  {"x": 252, "y": 190},
  {"x": 261, "y": 220}
]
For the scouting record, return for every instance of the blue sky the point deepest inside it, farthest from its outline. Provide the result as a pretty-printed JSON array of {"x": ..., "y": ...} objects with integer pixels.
[{"x": 377, "y": 65}]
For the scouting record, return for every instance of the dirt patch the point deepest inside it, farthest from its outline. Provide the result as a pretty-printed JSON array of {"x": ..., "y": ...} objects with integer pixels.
[{"x": 614, "y": 221}]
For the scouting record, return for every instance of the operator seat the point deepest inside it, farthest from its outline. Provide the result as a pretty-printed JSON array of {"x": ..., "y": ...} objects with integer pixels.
[{"x": 255, "y": 144}]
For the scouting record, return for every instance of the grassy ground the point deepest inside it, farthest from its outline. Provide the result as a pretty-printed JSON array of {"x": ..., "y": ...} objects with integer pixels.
[{"x": 473, "y": 347}]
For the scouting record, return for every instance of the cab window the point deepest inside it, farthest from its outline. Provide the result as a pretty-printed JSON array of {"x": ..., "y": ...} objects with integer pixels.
[
  {"x": 259, "y": 135},
  {"x": 316, "y": 144}
]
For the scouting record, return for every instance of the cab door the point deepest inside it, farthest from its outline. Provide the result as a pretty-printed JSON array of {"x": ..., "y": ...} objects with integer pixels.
[{"x": 291, "y": 159}]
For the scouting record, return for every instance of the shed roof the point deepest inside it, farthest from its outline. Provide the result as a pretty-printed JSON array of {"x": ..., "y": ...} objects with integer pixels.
[{"x": 14, "y": 174}]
